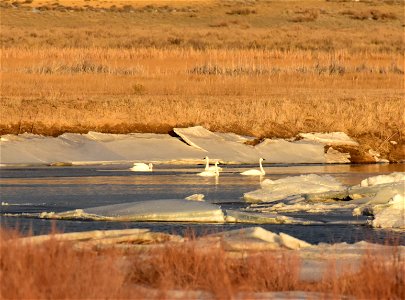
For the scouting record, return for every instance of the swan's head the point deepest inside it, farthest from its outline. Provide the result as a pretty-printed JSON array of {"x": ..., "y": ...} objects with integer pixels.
[
  {"x": 206, "y": 158},
  {"x": 261, "y": 159},
  {"x": 216, "y": 163}
]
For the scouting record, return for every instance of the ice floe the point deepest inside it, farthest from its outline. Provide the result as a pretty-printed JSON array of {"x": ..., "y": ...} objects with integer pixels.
[
  {"x": 240, "y": 216},
  {"x": 273, "y": 190},
  {"x": 381, "y": 197},
  {"x": 382, "y": 179},
  {"x": 170, "y": 210},
  {"x": 390, "y": 215},
  {"x": 384, "y": 198}
]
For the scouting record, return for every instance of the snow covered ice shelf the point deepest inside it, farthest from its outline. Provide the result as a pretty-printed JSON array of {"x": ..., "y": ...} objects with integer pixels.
[{"x": 191, "y": 145}]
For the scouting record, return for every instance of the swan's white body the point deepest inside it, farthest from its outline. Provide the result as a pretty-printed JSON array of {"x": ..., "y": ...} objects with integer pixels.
[
  {"x": 210, "y": 168},
  {"x": 210, "y": 173},
  {"x": 141, "y": 167},
  {"x": 254, "y": 172}
]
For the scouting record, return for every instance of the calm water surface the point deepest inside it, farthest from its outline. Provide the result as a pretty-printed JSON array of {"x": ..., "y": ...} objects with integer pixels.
[{"x": 38, "y": 189}]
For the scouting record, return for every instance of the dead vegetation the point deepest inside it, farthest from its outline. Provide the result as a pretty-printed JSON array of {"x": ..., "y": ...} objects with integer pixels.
[
  {"x": 240, "y": 66},
  {"x": 53, "y": 269}
]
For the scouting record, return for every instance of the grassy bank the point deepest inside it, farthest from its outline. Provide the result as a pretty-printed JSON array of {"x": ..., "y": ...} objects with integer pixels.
[{"x": 263, "y": 68}]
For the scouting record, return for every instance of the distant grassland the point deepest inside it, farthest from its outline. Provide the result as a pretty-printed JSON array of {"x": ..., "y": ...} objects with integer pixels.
[{"x": 264, "y": 68}]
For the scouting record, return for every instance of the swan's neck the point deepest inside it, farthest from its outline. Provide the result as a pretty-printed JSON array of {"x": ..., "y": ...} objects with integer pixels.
[
  {"x": 150, "y": 167},
  {"x": 216, "y": 168},
  {"x": 261, "y": 167},
  {"x": 207, "y": 163}
]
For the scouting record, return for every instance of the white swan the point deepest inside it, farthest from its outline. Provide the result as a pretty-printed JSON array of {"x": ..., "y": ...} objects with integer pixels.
[
  {"x": 210, "y": 168},
  {"x": 141, "y": 167},
  {"x": 255, "y": 172},
  {"x": 210, "y": 173}
]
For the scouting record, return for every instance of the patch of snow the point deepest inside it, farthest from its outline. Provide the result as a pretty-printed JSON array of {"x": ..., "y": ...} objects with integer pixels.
[
  {"x": 330, "y": 138},
  {"x": 257, "y": 238},
  {"x": 377, "y": 156}
]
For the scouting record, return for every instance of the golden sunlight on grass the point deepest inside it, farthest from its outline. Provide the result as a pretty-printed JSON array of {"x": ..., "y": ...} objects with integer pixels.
[
  {"x": 267, "y": 69},
  {"x": 59, "y": 270}
]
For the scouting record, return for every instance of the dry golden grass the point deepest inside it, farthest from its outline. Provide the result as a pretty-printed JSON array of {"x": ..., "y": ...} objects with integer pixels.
[
  {"x": 55, "y": 270},
  {"x": 260, "y": 68}
]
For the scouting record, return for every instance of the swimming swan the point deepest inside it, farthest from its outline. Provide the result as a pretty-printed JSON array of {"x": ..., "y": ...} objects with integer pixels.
[
  {"x": 141, "y": 167},
  {"x": 254, "y": 172},
  {"x": 208, "y": 167},
  {"x": 210, "y": 173}
]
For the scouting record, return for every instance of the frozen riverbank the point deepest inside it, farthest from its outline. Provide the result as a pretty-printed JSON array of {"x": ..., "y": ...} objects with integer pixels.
[{"x": 187, "y": 145}]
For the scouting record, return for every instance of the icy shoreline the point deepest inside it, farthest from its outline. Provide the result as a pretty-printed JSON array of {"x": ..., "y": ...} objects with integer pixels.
[{"x": 190, "y": 145}]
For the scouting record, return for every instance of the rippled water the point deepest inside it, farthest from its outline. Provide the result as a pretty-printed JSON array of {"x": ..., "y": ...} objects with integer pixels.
[{"x": 38, "y": 189}]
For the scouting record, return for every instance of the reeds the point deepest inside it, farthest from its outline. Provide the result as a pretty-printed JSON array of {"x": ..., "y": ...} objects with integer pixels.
[
  {"x": 255, "y": 92},
  {"x": 59, "y": 270},
  {"x": 251, "y": 74}
]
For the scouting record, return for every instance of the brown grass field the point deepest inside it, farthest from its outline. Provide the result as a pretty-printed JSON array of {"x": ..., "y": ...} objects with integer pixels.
[
  {"x": 262, "y": 68},
  {"x": 56, "y": 270}
]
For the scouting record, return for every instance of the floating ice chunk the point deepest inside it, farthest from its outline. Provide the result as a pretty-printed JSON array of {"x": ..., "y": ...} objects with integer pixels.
[
  {"x": 381, "y": 179},
  {"x": 391, "y": 215},
  {"x": 237, "y": 216},
  {"x": 331, "y": 138},
  {"x": 306, "y": 207},
  {"x": 387, "y": 204},
  {"x": 171, "y": 210},
  {"x": 195, "y": 197},
  {"x": 273, "y": 190}
]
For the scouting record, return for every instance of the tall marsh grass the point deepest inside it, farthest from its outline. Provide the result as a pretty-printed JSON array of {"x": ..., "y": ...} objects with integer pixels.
[
  {"x": 54, "y": 270},
  {"x": 255, "y": 92}
]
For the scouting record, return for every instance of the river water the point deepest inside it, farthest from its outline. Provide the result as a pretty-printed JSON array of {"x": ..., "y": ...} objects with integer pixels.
[{"x": 57, "y": 189}]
